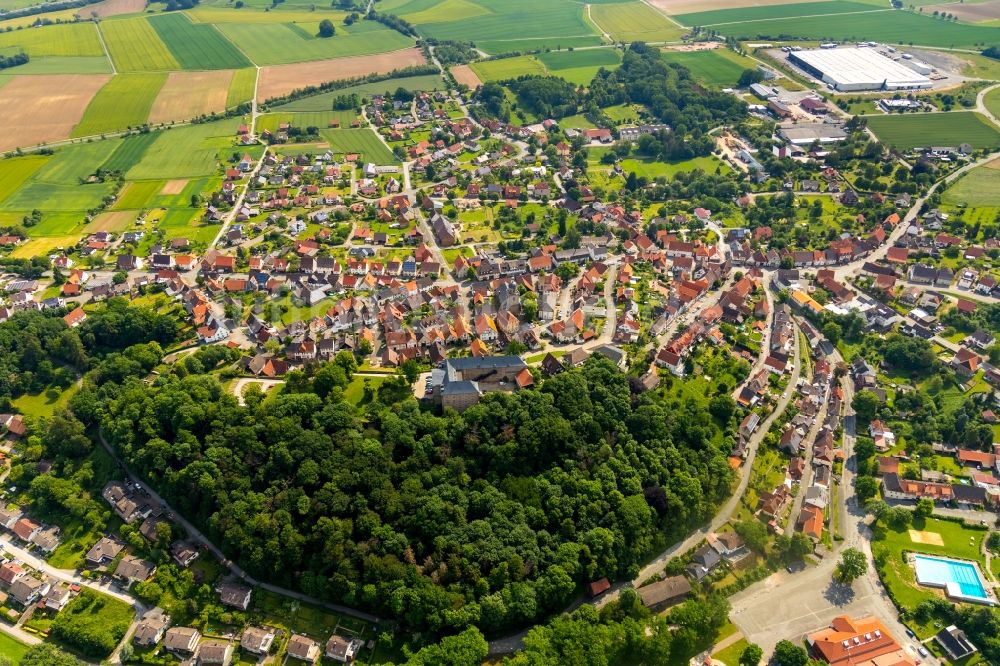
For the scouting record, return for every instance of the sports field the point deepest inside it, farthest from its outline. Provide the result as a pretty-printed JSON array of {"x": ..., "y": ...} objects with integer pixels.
[
  {"x": 324, "y": 101},
  {"x": 717, "y": 68},
  {"x": 123, "y": 102},
  {"x": 891, "y": 27},
  {"x": 197, "y": 46},
  {"x": 42, "y": 109},
  {"x": 136, "y": 47},
  {"x": 283, "y": 43},
  {"x": 67, "y": 39},
  {"x": 187, "y": 95},
  {"x": 935, "y": 129},
  {"x": 241, "y": 87},
  {"x": 979, "y": 187},
  {"x": 279, "y": 80},
  {"x": 362, "y": 141},
  {"x": 635, "y": 21}
]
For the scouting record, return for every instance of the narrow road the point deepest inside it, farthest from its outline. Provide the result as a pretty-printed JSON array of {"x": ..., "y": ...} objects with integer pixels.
[
  {"x": 104, "y": 45},
  {"x": 981, "y": 104},
  {"x": 202, "y": 540}
]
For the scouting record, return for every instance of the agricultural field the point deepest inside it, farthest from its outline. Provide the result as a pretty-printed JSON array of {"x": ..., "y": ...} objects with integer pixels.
[
  {"x": 978, "y": 188},
  {"x": 66, "y": 65},
  {"x": 362, "y": 141},
  {"x": 502, "y": 27},
  {"x": 197, "y": 46},
  {"x": 284, "y": 43},
  {"x": 774, "y": 11},
  {"x": 136, "y": 47},
  {"x": 124, "y": 102},
  {"x": 138, "y": 194},
  {"x": 112, "y": 8},
  {"x": 679, "y": 7},
  {"x": 324, "y": 101},
  {"x": 653, "y": 168},
  {"x": 279, "y": 80},
  {"x": 935, "y": 129},
  {"x": 68, "y": 39},
  {"x": 420, "y": 12},
  {"x": 890, "y": 27},
  {"x": 241, "y": 87},
  {"x": 186, "y": 152},
  {"x": 508, "y": 68},
  {"x": 129, "y": 152},
  {"x": 464, "y": 76},
  {"x": 992, "y": 102},
  {"x": 717, "y": 68},
  {"x": 187, "y": 95},
  {"x": 42, "y": 109},
  {"x": 635, "y": 21},
  {"x": 14, "y": 172}
]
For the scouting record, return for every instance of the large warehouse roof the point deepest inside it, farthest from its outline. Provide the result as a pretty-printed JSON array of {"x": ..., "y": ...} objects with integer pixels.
[{"x": 860, "y": 68}]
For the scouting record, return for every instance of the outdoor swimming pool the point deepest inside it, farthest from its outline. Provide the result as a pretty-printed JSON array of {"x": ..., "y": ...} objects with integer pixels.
[{"x": 961, "y": 580}]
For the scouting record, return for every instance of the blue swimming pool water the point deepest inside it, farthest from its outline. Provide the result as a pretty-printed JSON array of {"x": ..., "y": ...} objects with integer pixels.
[{"x": 937, "y": 571}]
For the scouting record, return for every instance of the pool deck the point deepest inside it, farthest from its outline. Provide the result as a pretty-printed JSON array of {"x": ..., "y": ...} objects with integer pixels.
[{"x": 952, "y": 589}]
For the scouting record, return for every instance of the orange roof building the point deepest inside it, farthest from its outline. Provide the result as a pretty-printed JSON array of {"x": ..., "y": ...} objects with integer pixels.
[{"x": 864, "y": 642}]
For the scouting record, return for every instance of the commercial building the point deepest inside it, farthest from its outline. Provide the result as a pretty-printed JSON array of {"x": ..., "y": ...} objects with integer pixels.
[
  {"x": 808, "y": 133},
  {"x": 853, "y": 69},
  {"x": 850, "y": 642}
]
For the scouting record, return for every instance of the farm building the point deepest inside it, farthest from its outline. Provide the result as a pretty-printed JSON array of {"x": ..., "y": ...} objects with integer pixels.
[{"x": 848, "y": 70}]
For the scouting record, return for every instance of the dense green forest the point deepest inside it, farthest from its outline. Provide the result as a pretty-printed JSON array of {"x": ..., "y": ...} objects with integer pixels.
[{"x": 492, "y": 518}]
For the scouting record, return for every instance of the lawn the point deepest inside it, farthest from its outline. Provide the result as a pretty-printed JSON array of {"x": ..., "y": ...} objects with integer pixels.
[
  {"x": 283, "y": 43},
  {"x": 324, "y": 101},
  {"x": 508, "y": 68},
  {"x": 241, "y": 87},
  {"x": 890, "y": 27},
  {"x": 97, "y": 618},
  {"x": 75, "y": 539},
  {"x": 12, "y": 649},
  {"x": 68, "y": 39},
  {"x": 718, "y": 68},
  {"x": 355, "y": 391},
  {"x": 935, "y": 129},
  {"x": 362, "y": 141},
  {"x": 635, "y": 21},
  {"x": 135, "y": 46},
  {"x": 979, "y": 187},
  {"x": 44, "y": 403},
  {"x": 123, "y": 102},
  {"x": 197, "y": 45},
  {"x": 730, "y": 655}
]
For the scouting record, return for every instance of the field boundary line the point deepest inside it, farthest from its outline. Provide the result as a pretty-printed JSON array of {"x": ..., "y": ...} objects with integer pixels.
[
  {"x": 665, "y": 14},
  {"x": 795, "y": 18},
  {"x": 224, "y": 36},
  {"x": 104, "y": 45},
  {"x": 590, "y": 18}
]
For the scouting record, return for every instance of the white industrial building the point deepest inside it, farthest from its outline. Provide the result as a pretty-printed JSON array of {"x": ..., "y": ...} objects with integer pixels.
[{"x": 852, "y": 69}]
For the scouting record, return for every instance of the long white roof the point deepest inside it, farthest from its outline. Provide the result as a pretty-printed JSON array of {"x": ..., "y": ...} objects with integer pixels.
[{"x": 853, "y": 66}]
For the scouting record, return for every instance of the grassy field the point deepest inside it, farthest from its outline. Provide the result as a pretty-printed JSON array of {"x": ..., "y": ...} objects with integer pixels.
[
  {"x": 635, "y": 21},
  {"x": 992, "y": 101},
  {"x": 66, "y": 65},
  {"x": 355, "y": 391},
  {"x": 197, "y": 46},
  {"x": 129, "y": 152},
  {"x": 719, "y": 68},
  {"x": 891, "y": 27},
  {"x": 508, "y": 68},
  {"x": 420, "y": 12},
  {"x": 68, "y": 39},
  {"x": 241, "y": 87},
  {"x": 12, "y": 648},
  {"x": 320, "y": 119},
  {"x": 323, "y": 101},
  {"x": 363, "y": 141},
  {"x": 123, "y": 102},
  {"x": 15, "y": 172},
  {"x": 135, "y": 46},
  {"x": 186, "y": 152},
  {"x": 92, "y": 612},
  {"x": 138, "y": 194},
  {"x": 771, "y": 12},
  {"x": 282, "y": 43},
  {"x": 44, "y": 403},
  {"x": 979, "y": 188},
  {"x": 653, "y": 169},
  {"x": 935, "y": 129}
]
